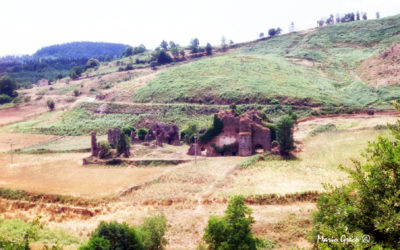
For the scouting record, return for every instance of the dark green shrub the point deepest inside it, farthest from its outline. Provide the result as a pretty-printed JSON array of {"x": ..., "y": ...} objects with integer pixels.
[
  {"x": 264, "y": 115},
  {"x": 105, "y": 150},
  {"x": 92, "y": 63},
  {"x": 209, "y": 49},
  {"x": 76, "y": 92},
  {"x": 189, "y": 133},
  {"x": 51, "y": 104},
  {"x": 11, "y": 245},
  {"x": 236, "y": 109},
  {"x": 162, "y": 57},
  {"x": 5, "y": 99},
  {"x": 97, "y": 243},
  {"x": 284, "y": 134},
  {"x": 272, "y": 130},
  {"x": 123, "y": 145},
  {"x": 128, "y": 129},
  {"x": 142, "y": 132},
  {"x": 129, "y": 66},
  {"x": 233, "y": 231},
  {"x": 8, "y": 86},
  {"x": 212, "y": 131},
  {"x": 323, "y": 128},
  {"x": 381, "y": 127},
  {"x": 153, "y": 65},
  {"x": 274, "y": 101},
  {"x": 119, "y": 236},
  {"x": 292, "y": 115},
  {"x": 153, "y": 230},
  {"x": 75, "y": 72}
]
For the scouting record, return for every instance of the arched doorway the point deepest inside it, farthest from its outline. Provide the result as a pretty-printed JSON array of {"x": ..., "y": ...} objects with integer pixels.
[{"x": 258, "y": 149}]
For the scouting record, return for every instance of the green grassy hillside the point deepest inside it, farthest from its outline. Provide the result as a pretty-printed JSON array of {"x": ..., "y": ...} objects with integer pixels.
[{"x": 312, "y": 68}]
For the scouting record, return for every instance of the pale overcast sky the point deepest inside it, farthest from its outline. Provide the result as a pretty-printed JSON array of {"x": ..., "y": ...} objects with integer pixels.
[{"x": 27, "y": 25}]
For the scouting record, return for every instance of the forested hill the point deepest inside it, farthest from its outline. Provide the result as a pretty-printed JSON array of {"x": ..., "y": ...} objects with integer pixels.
[
  {"x": 57, "y": 60},
  {"x": 75, "y": 50}
]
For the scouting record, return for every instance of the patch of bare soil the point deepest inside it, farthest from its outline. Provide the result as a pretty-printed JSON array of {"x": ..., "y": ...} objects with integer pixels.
[{"x": 382, "y": 69}]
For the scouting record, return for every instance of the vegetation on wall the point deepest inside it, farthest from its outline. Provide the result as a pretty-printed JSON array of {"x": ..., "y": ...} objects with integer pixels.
[{"x": 212, "y": 131}]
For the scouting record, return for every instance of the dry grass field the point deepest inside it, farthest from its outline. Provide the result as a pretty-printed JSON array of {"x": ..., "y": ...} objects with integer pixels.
[
  {"x": 183, "y": 193},
  {"x": 64, "y": 174},
  {"x": 22, "y": 140}
]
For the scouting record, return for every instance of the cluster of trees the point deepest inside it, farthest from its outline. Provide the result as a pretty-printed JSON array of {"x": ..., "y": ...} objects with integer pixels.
[
  {"x": 272, "y": 32},
  {"x": 27, "y": 71},
  {"x": 130, "y": 51},
  {"x": 348, "y": 17},
  {"x": 54, "y": 62},
  {"x": 78, "y": 50},
  {"x": 8, "y": 87},
  {"x": 170, "y": 52},
  {"x": 232, "y": 231}
]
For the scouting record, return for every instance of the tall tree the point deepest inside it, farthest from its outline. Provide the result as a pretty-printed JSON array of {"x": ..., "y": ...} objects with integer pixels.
[
  {"x": 164, "y": 45},
  {"x": 271, "y": 32},
  {"x": 261, "y": 35},
  {"x": 378, "y": 15},
  {"x": 8, "y": 86},
  {"x": 194, "y": 45},
  {"x": 284, "y": 134},
  {"x": 172, "y": 44},
  {"x": 364, "y": 16},
  {"x": 223, "y": 43},
  {"x": 209, "y": 49}
]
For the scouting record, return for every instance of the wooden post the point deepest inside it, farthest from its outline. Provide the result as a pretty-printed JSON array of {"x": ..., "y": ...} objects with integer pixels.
[
  {"x": 195, "y": 150},
  {"x": 11, "y": 152}
]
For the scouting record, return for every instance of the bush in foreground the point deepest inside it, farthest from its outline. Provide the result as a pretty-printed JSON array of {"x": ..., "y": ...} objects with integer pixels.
[
  {"x": 153, "y": 230},
  {"x": 114, "y": 235},
  {"x": 368, "y": 208},
  {"x": 233, "y": 231}
]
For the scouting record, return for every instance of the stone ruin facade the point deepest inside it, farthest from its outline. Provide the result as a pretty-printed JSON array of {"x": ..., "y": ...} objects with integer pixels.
[
  {"x": 113, "y": 136},
  {"x": 162, "y": 133},
  {"x": 242, "y": 135}
]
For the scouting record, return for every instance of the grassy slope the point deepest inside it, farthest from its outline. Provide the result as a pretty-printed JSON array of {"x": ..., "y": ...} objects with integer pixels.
[
  {"x": 264, "y": 71},
  {"x": 100, "y": 116}
]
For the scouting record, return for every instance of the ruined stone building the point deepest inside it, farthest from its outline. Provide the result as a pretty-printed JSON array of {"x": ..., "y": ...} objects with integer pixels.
[
  {"x": 163, "y": 133},
  {"x": 242, "y": 135}
]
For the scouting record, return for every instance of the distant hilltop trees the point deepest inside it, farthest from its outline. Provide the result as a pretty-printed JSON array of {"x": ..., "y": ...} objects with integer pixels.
[
  {"x": 348, "y": 17},
  {"x": 75, "y": 50}
]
